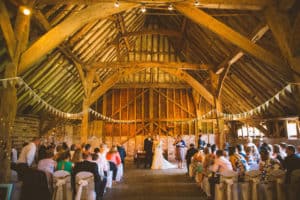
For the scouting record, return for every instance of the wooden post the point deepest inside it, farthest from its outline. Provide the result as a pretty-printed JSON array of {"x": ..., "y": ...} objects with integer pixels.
[
  {"x": 8, "y": 111},
  {"x": 220, "y": 124},
  {"x": 85, "y": 121}
]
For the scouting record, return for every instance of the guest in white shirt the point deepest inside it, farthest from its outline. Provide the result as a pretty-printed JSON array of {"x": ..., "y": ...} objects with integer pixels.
[
  {"x": 102, "y": 161},
  {"x": 221, "y": 164},
  {"x": 28, "y": 152}
]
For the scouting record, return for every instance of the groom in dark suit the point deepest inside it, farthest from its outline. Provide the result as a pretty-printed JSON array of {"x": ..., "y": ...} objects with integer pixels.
[{"x": 148, "y": 144}]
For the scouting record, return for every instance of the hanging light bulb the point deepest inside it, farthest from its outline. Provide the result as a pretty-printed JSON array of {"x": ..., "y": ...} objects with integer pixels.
[
  {"x": 170, "y": 7},
  {"x": 143, "y": 9},
  {"x": 25, "y": 10},
  {"x": 117, "y": 4},
  {"x": 196, "y": 3}
]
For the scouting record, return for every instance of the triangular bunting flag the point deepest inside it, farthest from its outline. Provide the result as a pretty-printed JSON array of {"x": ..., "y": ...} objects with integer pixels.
[
  {"x": 289, "y": 88},
  {"x": 277, "y": 97},
  {"x": 267, "y": 103}
]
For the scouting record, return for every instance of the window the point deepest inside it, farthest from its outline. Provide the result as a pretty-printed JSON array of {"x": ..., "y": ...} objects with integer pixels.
[
  {"x": 292, "y": 129},
  {"x": 249, "y": 132}
]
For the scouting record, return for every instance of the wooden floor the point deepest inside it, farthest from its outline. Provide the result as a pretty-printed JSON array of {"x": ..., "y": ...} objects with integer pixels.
[{"x": 146, "y": 184}]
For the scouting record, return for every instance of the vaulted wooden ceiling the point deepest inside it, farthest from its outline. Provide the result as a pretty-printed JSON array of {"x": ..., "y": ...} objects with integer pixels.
[{"x": 241, "y": 51}]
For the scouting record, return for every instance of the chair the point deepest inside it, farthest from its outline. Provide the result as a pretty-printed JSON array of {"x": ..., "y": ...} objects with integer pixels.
[
  {"x": 227, "y": 179},
  {"x": 279, "y": 178},
  {"x": 295, "y": 185},
  {"x": 62, "y": 185},
  {"x": 109, "y": 179},
  {"x": 85, "y": 186},
  {"x": 254, "y": 178}
]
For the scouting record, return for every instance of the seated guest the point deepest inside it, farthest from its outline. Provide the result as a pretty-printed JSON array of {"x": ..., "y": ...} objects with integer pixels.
[
  {"x": 291, "y": 162},
  {"x": 114, "y": 159},
  {"x": 189, "y": 154},
  {"x": 42, "y": 152},
  {"x": 221, "y": 164},
  {"x": 267, "y": 164},
  {"x": 64, "y": 162},
  {"x": 88, "y": 166},
  {"x": 249, "y": 156},
  {"x": 47, "y": 164},
  {"x": 87, "y": 149},
  {"x": 72, "y": 150},
  {"x": 283, "y": 147},
  {"x": 277, "y": 154},
  {"x": 208, "y": 159},
  {"x": 241, "y": 151},
  {"x": 238, "y": 162},
  {"x": 77, "y": 157}
]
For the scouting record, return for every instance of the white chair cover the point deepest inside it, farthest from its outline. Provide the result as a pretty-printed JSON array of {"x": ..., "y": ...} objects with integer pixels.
[
  {"x": 279, "y": 177},
  {"x": 109, "y": 179},
  {"x": 228, "y": 178},
  {"x": 295, "y": 185},
  {"x": 119, "y": 172},
  {"x": 205, "y": 186},
  {"x": 62, "y": 185},
  {"x": 254, "y": 178},
  {"x": 85, "y": 187}
]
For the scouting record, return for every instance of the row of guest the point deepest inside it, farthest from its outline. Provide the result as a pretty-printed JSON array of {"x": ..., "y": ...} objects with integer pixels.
[
  {"x": 72, "y": 160},
  {"x": 234, "y": 158}
]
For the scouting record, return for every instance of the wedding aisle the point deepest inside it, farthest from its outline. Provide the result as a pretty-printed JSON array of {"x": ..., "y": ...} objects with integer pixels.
[{"x": 146, "y": 184}]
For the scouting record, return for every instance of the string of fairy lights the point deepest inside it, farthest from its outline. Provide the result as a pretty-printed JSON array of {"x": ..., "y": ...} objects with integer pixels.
[{"x": 212, "y": 113}]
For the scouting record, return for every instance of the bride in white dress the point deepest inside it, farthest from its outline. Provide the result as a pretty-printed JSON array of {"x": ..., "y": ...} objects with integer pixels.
[{"x": 158, "y": 161}]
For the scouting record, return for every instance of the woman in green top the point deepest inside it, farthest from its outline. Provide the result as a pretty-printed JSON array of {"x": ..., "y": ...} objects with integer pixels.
[{"x": 64, "y": 162}]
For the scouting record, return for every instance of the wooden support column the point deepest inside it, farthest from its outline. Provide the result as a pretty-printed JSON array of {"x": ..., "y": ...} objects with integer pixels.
[
  {"x": 85, "y": 120},
  {"x": 16, "y": 42},
  {"x": 219, "y": 131},
  {"x": 87, "y": 84},
  {"x": 151, "y": 104}
]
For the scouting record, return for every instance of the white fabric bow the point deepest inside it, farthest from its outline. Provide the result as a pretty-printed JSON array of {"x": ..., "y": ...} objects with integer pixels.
[{"x": 81, "y": 183}]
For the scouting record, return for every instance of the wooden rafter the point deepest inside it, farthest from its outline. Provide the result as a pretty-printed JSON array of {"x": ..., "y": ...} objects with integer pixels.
[
  {"x": 65, "y": 50},
  {"x": 182, "y": 75},
  {"x": 214, "y": 25},
  {"x": 227, "y": 63},
  {"x": 212, "y": 4},
  {"x": 164, "y": 32},
  {"x": 7, "y": 30},
  {"x": 111, "y": 81},
  {"x": 175, "y": 65},
  {"x": 62, "y": 31},
  {"x": 281, "y": 29},
  {"x": 152, "y": 85},
  {"x": 123, "y": 31}
]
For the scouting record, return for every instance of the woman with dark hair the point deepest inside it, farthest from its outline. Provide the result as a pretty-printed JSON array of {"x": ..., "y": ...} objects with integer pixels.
[
  {"x": 238, "y": 162},
  {"x": 64, "y": 163}
]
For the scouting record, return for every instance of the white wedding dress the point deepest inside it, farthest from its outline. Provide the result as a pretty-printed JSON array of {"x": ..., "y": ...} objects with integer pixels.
[{"x": 158, "y": 161}]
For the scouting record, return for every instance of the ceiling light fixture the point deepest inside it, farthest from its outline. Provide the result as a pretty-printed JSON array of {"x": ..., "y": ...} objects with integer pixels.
[
  {"x": 117, "y": 4},
  {"x": 196, "y": 3},
  {"x": 143, "y": 9},
  {"x": 170, "y": 7},
  {"x": 25, "y": 10}
]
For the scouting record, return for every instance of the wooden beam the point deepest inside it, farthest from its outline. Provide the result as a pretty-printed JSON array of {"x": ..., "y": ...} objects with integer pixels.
[
  {"x": 175, "y": 65},
  {"x": 7, "y": 30},
  {"x": 42, "y": 20},
  {"x": 151, "y": 85},
  {"x": 191, "y": 81},
  {"x": 163, "y": 32},
  {"x": 203, "y": 19},
  {"x": 227, "y": 63},
  {"x": 62, "y": 31},
  {"x": 212, "y": 4},
  {"x": 281, "y": 28},
  {"x": 110, "y": 82}
]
